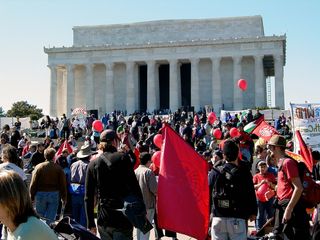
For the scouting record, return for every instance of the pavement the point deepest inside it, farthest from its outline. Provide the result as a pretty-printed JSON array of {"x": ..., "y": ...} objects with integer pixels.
[{"x": 182, "y": 236}]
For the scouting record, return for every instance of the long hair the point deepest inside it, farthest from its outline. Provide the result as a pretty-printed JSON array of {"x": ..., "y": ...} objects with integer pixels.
[
  {"x": 15, "y": 198},
  {"x": 10, "y": 154}
]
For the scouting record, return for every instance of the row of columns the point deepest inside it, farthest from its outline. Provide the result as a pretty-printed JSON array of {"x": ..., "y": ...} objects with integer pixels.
[{"x": 174, "y": 88}]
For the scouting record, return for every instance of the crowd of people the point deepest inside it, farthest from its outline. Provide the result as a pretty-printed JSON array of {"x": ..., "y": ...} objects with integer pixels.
[{"x": 100, "y": 168}]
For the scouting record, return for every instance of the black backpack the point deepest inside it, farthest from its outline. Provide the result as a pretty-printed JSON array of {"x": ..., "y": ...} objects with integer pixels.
[
  {"x": 133, "y": 208},
  {"x": 224, "y": 191}
]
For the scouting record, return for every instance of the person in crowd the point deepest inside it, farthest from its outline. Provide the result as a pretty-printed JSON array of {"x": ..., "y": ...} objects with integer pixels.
[
  {"x": 265, "y": 206},
  {"x": 271, "y": 163},
  {"x": 291, "y": 218},
  {"x": 316, "y": 167},
  {"x": 11, "y": 161},
  {"x": 112, "y": 176},
  {"x": 148, "y": 184},
  {"x": 17, "y": 124},
  {"x": 249, "y": 116},
  {"x": 21, "y": 144},
  {"x": 16, "y": 210},
  {"x": 48, "y": 186},
  {"x": 72, "y": 141},
  {"x": 261, "y": 153},
  {"x": 77, "y": 186},
  {"x": 31, "y": 150},
  {"x": 231, "y": 213},
  {"x": 246, "y": 143},
  {"x": 38, "y": 156},
  {"x": 5, "y": 134},
  {"x": 257, "y": 115},
  {"x": 15, "y": 137},
  {"x": 65, "y": 132}
]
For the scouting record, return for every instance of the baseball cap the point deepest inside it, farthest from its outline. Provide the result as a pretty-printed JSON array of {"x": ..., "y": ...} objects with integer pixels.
[{"x": 108, "y": 135}]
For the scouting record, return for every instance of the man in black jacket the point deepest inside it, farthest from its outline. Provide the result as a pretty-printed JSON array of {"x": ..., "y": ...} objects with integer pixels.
[
  {"x": 111, "y": 176},
  {"x": 233, "y": 195}
]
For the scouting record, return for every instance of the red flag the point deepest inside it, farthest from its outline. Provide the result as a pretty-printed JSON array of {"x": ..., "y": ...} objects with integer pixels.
[
  {"x": 265, "y": 131},
  {"x": 183, "y": 192},
  {"x": 64, "y": 145},
  {"x": 305, "y": 151}
]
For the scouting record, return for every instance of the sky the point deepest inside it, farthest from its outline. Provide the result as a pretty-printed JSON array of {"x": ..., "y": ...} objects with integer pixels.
[{"x": 29, "y": 26}]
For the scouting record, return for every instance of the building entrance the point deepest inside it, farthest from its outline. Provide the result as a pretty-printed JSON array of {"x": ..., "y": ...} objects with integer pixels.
[{"x": 185, "y": 73}]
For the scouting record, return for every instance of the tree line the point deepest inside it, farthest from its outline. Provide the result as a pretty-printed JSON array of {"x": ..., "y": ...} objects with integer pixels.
[{"x": 22, "y": 109}]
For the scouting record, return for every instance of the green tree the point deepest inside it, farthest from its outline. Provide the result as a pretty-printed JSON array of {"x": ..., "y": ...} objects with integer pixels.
[
  {"x": 2, "y": 113},
  {"x": 24, "y": 109}
]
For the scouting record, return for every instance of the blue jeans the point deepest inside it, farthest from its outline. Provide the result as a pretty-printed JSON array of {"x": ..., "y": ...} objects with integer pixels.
[
  {"x": 265, "y": 211},
  {"x": 47, "y": 205},
  {"x": 78, "y": 211}
]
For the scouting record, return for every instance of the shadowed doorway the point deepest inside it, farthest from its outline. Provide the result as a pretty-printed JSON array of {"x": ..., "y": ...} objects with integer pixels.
[
  {"x": 143, "y": 88},
  {"x": 185, "y": 73},
  {"x": 164, "y": 86}
]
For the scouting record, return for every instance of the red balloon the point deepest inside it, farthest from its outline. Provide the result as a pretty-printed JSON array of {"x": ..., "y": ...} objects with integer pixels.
[
  {"x": 97, "y": 126},
  {"x": 217, "y": 133},
  {"x": 261, "y": 192},
  {"x": 234, "y": 132},
  {"x": 156, "y": 158},
  {"x": 242, "y": 84},
  {"x": 157, "y": 140},
  {"x": 212, "y": 117}
]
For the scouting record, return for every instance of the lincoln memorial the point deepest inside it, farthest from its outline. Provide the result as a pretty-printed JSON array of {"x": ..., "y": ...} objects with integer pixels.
[{"x": 167, "y": 64}]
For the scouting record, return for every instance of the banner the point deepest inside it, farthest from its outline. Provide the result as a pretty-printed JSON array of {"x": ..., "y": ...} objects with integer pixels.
[
  {"x": 183, "y": 192},
  {"x": 306, "y": 119}
]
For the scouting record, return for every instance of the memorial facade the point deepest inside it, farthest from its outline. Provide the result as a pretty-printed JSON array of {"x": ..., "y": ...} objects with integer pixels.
[{"x": 166, "y": 65}]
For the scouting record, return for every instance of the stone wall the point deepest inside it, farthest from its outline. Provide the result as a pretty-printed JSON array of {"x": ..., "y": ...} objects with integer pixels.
[{"x": 168, "y": 30}]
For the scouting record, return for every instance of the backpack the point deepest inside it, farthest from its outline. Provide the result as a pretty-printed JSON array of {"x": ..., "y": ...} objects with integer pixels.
[
  {"x": 311, "y": 190},
  {"x": 224, "y": 191},
  {"x": 133, "y": 208}
]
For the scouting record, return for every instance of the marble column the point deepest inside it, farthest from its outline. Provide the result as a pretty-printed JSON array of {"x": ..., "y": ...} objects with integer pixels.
[
  {"x": 216, "y": 85},
  {"x": 195, "y": 85},
  {"x": 130, "y": 100},
  {"x": 53, "y": 90},
  {"x": 174, "y": 90},
  {"x": 237, "y": 92},
  {"x": 109, "y": 87},
  {"x": 70, "y": 89},
  {"x": 278, "y": 79},
  {"x": 260, "y": 93},
  {"x": 90, "y": 95},
  {"x": 61, "y": 94},
  {"x": 151, "y": 86}
]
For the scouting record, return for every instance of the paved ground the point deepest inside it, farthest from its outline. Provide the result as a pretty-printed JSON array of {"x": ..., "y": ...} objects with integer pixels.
[{"x": 184, "y": 237}]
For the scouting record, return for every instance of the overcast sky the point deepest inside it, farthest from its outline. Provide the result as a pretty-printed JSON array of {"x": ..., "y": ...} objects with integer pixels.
[{"x": 28, "y": 26}]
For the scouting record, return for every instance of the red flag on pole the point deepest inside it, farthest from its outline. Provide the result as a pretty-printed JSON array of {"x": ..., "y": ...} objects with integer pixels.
[
  {"x": 264, "y": 130},
  {"x": 64, "y": 145},
  {"x": 305, "y": 152},
  {"x": 183, "y": 192}
]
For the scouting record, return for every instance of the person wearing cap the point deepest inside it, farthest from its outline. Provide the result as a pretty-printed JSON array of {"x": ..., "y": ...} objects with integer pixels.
[
  {"x": 291, "y": 218},
  {"x": 230, "y": 216},
  {"x": 78, "y": 171},
  {"x": 111, "y": 176},
  {"x": 148, "y": 184},
  {"x": 265, "y": 206}
]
